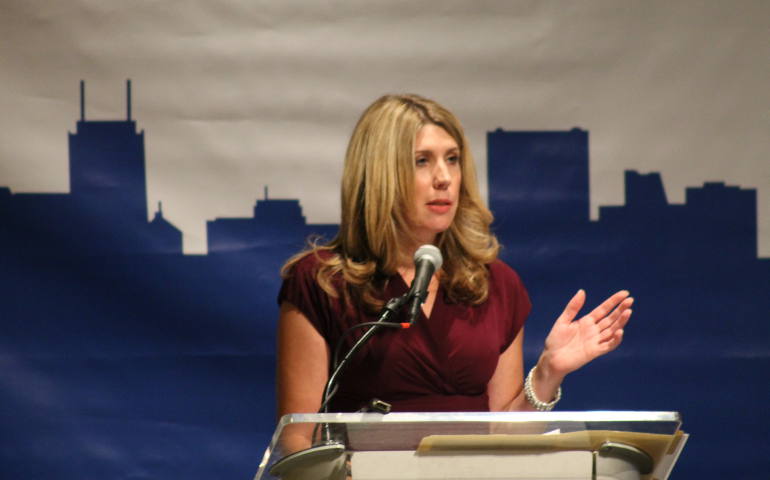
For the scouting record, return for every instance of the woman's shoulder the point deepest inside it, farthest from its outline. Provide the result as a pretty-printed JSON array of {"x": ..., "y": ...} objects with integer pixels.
[
  {"x": 307, "y": 262},
  {"x": 499, "y": 271},
  {"x": 301, "y": 285},
  {"x": 499, "y": 268}
]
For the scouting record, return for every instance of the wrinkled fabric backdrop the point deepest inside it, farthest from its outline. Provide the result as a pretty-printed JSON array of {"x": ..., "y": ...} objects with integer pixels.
[{"x": 142, "y": 223}]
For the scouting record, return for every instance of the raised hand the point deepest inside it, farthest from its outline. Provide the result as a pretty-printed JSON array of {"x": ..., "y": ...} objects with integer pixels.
[{"x": 573, "y": 343}]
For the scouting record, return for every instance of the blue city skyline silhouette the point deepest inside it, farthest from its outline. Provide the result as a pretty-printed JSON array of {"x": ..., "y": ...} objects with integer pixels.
[{"x": 149, "y": 352}]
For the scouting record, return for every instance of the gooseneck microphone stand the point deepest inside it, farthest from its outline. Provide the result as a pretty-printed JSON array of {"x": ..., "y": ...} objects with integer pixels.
[
  {"x": 329, "y": 451},
  {"x": 388, "y": 311}
]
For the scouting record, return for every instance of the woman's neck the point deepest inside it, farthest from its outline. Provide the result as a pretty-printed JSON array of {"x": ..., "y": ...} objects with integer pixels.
[{"x": 406, "y": 255}]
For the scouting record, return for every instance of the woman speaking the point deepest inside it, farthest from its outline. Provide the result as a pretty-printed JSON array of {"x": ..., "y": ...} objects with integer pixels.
[{"x": 409, "y": 180}]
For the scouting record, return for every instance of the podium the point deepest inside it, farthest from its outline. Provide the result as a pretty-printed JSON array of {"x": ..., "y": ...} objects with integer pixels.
[{"x": 598, "y": 445}]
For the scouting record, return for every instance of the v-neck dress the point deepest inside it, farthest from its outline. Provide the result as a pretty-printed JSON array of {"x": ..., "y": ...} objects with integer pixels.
[{"x": 442, "y": 363}]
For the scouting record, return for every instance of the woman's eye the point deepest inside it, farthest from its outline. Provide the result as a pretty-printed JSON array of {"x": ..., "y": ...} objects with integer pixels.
[
  {"x": 421, "y": 161},
  {"x": 453, "y": 159}
]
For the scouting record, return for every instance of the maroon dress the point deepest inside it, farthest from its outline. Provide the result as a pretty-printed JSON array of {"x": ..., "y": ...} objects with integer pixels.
[{"x": 442, "y": 363}]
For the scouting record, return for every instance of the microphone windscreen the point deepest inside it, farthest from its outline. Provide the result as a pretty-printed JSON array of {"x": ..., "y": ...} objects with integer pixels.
[{"x": 430, "y": 253}]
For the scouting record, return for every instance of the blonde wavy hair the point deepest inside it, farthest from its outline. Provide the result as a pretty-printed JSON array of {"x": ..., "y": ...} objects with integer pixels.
[{"x": 377, "y": 185}]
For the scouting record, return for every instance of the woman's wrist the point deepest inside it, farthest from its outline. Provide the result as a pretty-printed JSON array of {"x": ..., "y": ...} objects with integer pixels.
[
  {"x": 543, "y": 383},
  {"x": 547, "y": 374},
  {"x": 534, "y": 399}
]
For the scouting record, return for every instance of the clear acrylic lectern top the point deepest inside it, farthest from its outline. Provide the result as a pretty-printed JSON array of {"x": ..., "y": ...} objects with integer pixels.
[{"x": 652, "y": 432}]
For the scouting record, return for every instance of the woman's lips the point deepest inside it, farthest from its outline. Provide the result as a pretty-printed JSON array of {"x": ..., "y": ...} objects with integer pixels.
[{"x": 439, "y": 206}]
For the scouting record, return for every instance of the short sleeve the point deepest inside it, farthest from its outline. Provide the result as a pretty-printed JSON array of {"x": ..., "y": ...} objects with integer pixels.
[
  {"x": 301, "y": 289},
  {"x": 507, "y": 290}
]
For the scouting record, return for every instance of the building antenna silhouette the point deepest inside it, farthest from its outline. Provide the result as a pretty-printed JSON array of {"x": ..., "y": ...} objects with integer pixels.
[
  {"x": 128, "y": 100},
  {"x": 82, "y": 101},
  {"x": 265, "y": 192}
]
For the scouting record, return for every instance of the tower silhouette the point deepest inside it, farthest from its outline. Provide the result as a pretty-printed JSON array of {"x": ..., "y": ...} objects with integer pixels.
[
  {"x": 540, "y": 183},
  {"x": 107, "y": 167},
  {"x": 106, "y": 208}
]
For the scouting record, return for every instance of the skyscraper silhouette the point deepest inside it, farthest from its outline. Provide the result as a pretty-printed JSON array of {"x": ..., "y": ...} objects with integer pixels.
[{"x": 106, "y": 208}]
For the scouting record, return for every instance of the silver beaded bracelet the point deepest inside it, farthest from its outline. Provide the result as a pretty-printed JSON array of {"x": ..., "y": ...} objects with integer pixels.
[{"x": 533, "y": 400}]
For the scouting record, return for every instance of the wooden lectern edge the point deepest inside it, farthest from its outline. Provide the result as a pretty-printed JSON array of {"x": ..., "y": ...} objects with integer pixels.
[{"x": 655, "y": 445}]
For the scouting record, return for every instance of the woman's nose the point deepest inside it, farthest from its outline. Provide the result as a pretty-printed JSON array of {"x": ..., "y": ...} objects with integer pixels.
[{"x": 441, "y": 177}]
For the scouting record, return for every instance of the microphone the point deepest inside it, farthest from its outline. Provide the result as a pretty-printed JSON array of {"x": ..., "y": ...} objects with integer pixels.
[{"x": 427, "y": 260}]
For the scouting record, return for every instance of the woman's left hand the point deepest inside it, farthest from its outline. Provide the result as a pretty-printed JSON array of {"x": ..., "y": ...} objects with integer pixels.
[{"x": 573, "y": 343}]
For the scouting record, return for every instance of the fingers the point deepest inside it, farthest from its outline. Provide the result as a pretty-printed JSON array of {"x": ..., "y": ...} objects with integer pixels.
[
  {"x": 608, "y": 305},
  {"x": 613, "y": 342},
  {"x": 625, "y": 316},
  {"x": 610, "y": 320},
  {"x": 573, "y": 307},
  {"x": 611, "y": 326},
  {"x": 608, "y": 333},
  {"x": 610, "y": 343}
]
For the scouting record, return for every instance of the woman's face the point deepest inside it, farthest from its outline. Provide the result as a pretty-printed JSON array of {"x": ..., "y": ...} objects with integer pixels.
[{"x": 436, "y": 183}]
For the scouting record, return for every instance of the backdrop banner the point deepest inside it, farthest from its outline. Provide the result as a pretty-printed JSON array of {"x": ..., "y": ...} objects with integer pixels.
[{"x": 160, "y": 161}]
